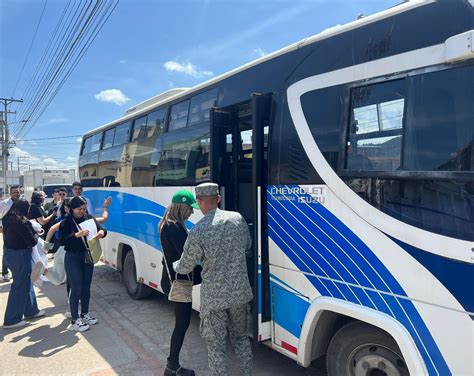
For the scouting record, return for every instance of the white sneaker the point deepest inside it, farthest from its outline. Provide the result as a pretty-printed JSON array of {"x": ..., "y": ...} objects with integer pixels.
[
  {"x": 78, "y": 326},
  {"x": 67, "y": 314},
  {"x": 87, "y": 318},
  {"x": 5, "y": 278},
  {"x": 17, "y": 325},
  {"x": 37, "y": 271}
]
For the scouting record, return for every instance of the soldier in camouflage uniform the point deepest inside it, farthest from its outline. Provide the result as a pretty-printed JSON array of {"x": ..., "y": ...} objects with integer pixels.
[{"x": 219, "y": 241}]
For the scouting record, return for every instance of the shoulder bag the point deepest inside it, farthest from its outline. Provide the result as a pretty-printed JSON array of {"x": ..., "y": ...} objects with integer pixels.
[
  {"x": 181, "y": 290},
  {"x": 88, "y": 257}
]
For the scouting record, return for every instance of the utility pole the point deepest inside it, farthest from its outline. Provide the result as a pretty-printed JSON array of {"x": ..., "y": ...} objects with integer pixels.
[
  {"x": 18, "y": 161},
  {"x": 6, "y": 136}
]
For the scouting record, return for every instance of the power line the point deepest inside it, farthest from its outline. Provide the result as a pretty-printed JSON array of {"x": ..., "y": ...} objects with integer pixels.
[
  {"x": 90, "y": 40},
  {"x": 46, "y": 52},
  {"x": 37, "y": 112},
  {"x": 29, "y": 49},
  {"x": 29, "y": 146},
  {"x": 66, "y": 52},
  {"x": 47, "y": 138},
  {"x": 78, "y": 33},
  {"x": 55, "y": 57}
]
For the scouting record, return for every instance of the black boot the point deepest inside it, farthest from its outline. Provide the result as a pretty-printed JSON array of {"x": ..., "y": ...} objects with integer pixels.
[{"x": 173, "y": 369}]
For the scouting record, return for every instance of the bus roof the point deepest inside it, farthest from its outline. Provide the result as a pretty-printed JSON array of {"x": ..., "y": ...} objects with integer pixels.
[
  {"x": 156, "y": 99},
  {"x": 169, "y": 95}
]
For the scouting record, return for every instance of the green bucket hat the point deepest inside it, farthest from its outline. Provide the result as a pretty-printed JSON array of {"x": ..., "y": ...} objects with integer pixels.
[{"x": 185, "y": 197}]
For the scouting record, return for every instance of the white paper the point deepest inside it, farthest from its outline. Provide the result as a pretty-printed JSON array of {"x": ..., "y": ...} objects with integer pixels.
[{"x": 89, "y": 225}]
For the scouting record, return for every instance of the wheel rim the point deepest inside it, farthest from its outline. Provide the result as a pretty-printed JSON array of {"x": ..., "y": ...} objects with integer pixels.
[
  {"x": 131, "y": 275},
  {"x": 375, "y": 360}
]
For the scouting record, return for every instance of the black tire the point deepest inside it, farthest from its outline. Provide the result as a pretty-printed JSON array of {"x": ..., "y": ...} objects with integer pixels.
[
  {"x": 135, "y": 289},
  {"x": 360, "y": 349}
]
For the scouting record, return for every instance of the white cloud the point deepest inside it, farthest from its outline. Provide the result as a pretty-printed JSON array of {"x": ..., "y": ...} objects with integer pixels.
[
  {"x": 17, "y": 152},
  {"x": 231, "y": 45},
  {"x": 41, "y": 161},
  {"x": 79, "y": 139},
  {"x": 50, "y": 161},
  {"x": 186, "y": 68},
  {"x": 57, "y": 120},
  {"x": 53, "y": 121},
  {"x": 259, "y": 52},
  {"x": 123, "y": 61},
  {"x": 112, "y": 96}
]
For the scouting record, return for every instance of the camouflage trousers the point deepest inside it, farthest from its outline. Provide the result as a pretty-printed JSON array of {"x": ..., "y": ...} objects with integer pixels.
[{"x": 214, "y": 328}]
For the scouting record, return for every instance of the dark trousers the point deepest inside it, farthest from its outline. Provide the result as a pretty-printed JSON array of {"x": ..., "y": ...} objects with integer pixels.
[
  {"x": 79, "y": 276},
  {"x": 22, "y": 298},
  {"x": 182, "y": 314},
  {"x": 4, "y": 263}
]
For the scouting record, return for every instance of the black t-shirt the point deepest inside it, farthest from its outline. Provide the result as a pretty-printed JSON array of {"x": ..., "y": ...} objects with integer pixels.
[
  {"x": 172, "y": 237},
  {"x": 68, "y": 229},
  {"x": 18, "y": 233},
  {"x": 36, "y": 211}
]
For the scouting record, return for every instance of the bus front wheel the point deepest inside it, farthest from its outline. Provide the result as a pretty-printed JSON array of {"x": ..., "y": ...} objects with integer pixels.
[
  {"x": 360, "y": 349},
  {"x": 135, "y": 289}
]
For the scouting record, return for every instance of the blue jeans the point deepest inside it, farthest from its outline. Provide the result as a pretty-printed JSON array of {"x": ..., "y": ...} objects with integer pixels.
[
  {"x": 79, "y": 276},
  {"x": 4, "y": 263},
  {"x": 22, "y": 298}
]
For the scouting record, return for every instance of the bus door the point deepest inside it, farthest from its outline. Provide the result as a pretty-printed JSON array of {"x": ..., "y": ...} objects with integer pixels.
[{"x": 239, "y": 139}]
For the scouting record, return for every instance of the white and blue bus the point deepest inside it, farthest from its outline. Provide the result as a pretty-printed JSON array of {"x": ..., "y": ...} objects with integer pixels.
[{"x": 351, "y": 156}]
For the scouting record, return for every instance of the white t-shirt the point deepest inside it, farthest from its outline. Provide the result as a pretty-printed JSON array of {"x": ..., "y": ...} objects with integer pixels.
[{"x": 5, "y": 206}]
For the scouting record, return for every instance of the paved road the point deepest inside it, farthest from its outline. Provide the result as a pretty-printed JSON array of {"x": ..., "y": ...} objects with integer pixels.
[{"x": 132, "y": 337}]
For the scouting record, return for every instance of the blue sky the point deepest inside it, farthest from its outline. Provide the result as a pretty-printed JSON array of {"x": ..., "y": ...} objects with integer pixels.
[{"x": 147, "y": 47}]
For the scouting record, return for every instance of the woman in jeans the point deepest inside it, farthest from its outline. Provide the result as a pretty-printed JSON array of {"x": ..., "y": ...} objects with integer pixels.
[
  {"x": 19, "y": 238},
  {"x": 173, "y": 235},
  {"x": 78, "y": 270}
]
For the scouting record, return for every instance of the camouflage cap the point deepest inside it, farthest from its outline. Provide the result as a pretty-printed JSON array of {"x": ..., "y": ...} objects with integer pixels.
[{"x": 207, "y": 189}]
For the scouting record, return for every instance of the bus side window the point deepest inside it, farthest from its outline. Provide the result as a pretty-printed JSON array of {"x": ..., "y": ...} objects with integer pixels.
[
  {"x": 375, "y": 131},
  {"x": 178, "y": 115},
  {"x": 139, "y": 128},
  {"x": 86, "y": 146},
  {"x": 156, "y": 123}
]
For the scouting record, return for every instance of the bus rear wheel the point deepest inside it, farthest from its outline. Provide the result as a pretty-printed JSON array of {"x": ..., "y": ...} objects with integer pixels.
[
  {"x": 360, "y": 349},
  {"x": 135, "y": 289}
]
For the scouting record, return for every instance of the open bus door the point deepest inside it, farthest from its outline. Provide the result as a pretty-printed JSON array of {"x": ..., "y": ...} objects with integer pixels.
[{"x": 239, "y": 143}]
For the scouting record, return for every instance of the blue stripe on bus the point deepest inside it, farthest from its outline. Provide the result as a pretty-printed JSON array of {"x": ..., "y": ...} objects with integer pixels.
[
  {"x": 456, "y": 276},
  {"x": 130, "y": 215},
  {"x": 350, "y": 258}
]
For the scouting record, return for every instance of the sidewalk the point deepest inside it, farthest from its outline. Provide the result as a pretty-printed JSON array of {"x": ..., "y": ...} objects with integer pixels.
[
  {"x": 46, "y": 347},
  {"x": 131, "y": 338}
]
